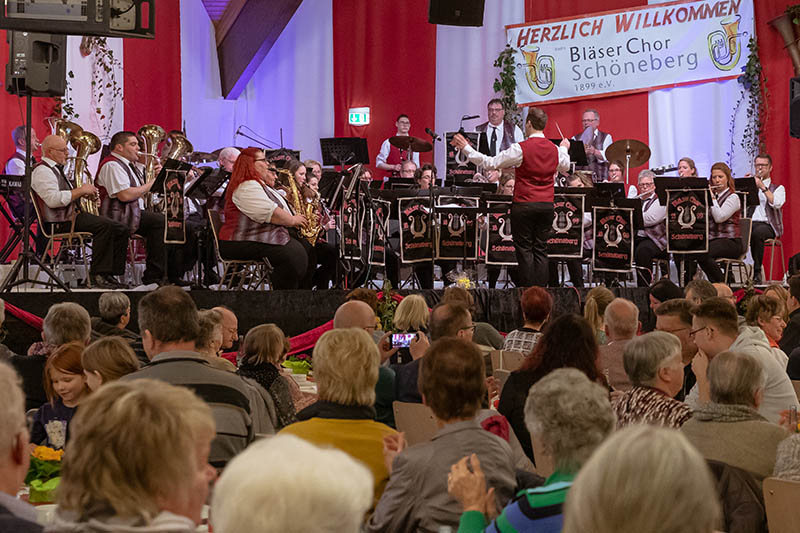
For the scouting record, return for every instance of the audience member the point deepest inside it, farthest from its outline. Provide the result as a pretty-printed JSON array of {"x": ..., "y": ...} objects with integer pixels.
[
  {"x": 325, "y": 490},
  {"x": 571, "y": 417},
  {"x": 115, "y": 314},
  {"x": 536, "y": 305},
  {"x": 107, "y": 359},
  {"x": 714, "y": 328},
  {"x": 263, "y": 351},
  {"x": 210, "y": 339},
  {"x": 654, "y": 365},
  {"x": 416, "y": 498},
  {"x": 138, "y": 461},
  {"x": 597, "y": 299},
  {"x": 65, "y": 322},
  {"x": 778, "y": 292},
  {"x": 230, "y": 327},
  {"x": 698, "y": 291},
  {"x": 365, "y": 295},
  {"x": 567, "y": 342},
  {"x": 168, "y": 321},
  {"x": 5, "y": 353},
  {"x": 65, "y": 386},
  {"x": 660, "y": 485},
  {"x": 620, "y": 323},
  {"x": 730, "y": 429},
  {"x": 791, "y": 335},
  {"x": 661, "y": 291},
  {"x": 16, "y": 516},
  {"x": 675, "y": 316},
  {"x": 346, "y": 365},
  {"x": 483, "y": 333},
  {"x": 725, "y": 292},
  {"x": 767, "y": 313},
  {"x": 787, "y": 459},
  {"x": 411, "y": 315}
]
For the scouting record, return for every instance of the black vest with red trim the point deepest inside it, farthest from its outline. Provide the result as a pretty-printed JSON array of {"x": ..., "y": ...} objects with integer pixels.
[
  {"x": 240, "y": 227},
  {"x": 727, "y": 229},
  {"x": 55, "y": 214},
  {"x": 128, "y": 213},
  {"x": 774, "y": 216},
  {"x": 534, "y": 177}
]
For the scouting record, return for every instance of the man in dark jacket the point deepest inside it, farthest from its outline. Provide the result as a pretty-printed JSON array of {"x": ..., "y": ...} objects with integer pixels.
[{"x": 791, "y": 335}]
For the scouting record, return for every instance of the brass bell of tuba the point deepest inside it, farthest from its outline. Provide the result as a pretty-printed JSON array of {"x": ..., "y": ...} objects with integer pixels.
[
  {"x": 63, "y": 128},
  {"x": 177, "y": 146},
  {"x": 151, "y": 136},
  {"x": 85, "y": 144}
]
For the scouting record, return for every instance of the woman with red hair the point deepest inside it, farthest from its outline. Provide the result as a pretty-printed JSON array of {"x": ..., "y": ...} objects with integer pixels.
[
  {"x": 724, "y": 233},
  {"x": 259, "y": 223}
]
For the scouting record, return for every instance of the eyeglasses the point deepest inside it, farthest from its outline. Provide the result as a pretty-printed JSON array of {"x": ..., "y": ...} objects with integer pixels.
[
  {"x": 495, "y": 109},
  {"x": 762, "y": 165},
  {"x": 696, "y": 331},
  {"x": 646, "y": 184}
]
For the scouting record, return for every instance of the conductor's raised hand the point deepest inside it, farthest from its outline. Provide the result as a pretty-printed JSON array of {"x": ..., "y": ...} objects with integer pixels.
[
  {"x": 459, "y": 141},
  {"x": 565, "y": 143}
]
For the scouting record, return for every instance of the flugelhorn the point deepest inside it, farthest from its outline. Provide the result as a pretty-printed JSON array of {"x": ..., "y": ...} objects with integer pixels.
[{"x": 85, "y": 144}]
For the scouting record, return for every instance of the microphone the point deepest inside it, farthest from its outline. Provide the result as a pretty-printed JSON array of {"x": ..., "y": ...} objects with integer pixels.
[
  {"x": 433, "y": 134},
  {"x": 470, "y": 117}
]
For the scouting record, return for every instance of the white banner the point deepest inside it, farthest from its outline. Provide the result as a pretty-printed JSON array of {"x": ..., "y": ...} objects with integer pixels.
[{"x": 630, "y": 50}]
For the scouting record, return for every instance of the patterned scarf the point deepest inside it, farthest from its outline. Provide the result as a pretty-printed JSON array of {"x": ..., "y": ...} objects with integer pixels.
[
  {"x": 718, "y": 412},
  {"x": 265, "y": 375}
]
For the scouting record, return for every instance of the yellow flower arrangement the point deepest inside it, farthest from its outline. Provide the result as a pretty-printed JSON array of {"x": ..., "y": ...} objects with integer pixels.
[{"x": 45, "y": 453}]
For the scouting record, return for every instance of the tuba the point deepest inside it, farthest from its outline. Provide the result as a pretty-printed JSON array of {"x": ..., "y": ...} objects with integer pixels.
[
  {"x": 151, "y": 136},
  {"x": 85, "y": 144},
  {"x": 177, "y": 146},
  {"x": 63, "y": 128},
  {"x": 308, "y": 206}
]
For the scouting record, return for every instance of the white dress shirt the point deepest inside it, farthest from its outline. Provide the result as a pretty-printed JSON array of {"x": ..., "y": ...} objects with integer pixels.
[
  {"x": 518, "y": 136},
  {"x": 657, "y": 214},
  {"x": 115, "y": 179},
  {"x": 511, "y": 156},
  {"x": 384, "y": 153},
  {"x": 45, "y": 184},
  {"x": 760, "y": 214},
  {"x": 15, "y": 167},
  {"x": 721, "y": 213},
  {"x": 252, "y": 201}
]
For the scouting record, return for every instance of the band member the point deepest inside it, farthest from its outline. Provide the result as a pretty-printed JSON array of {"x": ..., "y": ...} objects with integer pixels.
[
  {"x": 259, "y": 223},
  {"x": 57, "y": 200},
  {"x": 15, "y": 166},
  {"x": 390, "y": 157},
  {"x": 120, "y": 181},
  {"x": 227, "y": 157},
  {"x": 616, "y": 174},
  {"x": 425, "y": 176},
  {"x": 497, "y": 134},
  {"x": 595, "y": 143},
  {"x": 651, "y": 241},
  {"x": 687, "y": 168},
  {"x": 408, "y": 169},
  {"x": 537, "y": 160},
  {"x": 506, "y": 184},
  {"x": 724, "y": 233},
  {"x": 313, "y": 169},
  {"x": 767, "y": 216}
]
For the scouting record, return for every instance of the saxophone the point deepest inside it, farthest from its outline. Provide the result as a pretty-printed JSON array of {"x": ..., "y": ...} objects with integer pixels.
[{"x": 309, "y": 207}]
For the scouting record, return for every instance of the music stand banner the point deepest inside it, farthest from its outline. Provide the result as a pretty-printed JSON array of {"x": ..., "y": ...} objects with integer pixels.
[
  {"x": 175, "y": 223},
  {"x": 457, "y": 237},
  {"x": 458, "y": 167},
  {"x": 350, "y": 243},
  {"x": 613, "y": 239},
  {"x": 687, "y": 221},
  {"x": 500, "y": 248},
  {"x": 379, "y": 218},
  {"x": 566, "y": 239},
  {"x": 415, "y": 241}
]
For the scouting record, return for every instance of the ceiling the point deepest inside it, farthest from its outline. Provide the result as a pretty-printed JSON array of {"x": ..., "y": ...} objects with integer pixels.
[{"x": 216, "y": 8}]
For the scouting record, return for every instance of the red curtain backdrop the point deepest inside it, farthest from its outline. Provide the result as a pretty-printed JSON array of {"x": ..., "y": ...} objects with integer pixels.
[
  {"x": 152, "y": 77},
  {"x": 384, "y": 58},
  {"x": 624, "y": 117}
]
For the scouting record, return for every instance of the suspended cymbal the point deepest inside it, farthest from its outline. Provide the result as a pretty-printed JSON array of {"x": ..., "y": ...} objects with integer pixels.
[
  {"x": 201, "y": 157},
  {"x": 404, "y": 142},
  {"x": 618, "y": 150}
]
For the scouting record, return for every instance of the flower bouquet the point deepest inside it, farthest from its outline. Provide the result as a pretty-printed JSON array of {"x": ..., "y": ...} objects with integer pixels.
[
  {"x": 299, "y": 363},
  {"x": 44, "y": 474}
]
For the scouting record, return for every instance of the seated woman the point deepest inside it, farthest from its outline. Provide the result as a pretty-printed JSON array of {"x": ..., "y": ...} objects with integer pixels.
[
  {"x": 107, "y": 359},
  {"x": 161, "y": 479},
  {"x": 263, "y": 351},
  {"x": 209, "y": 342},
  {"x": 567, "y": 342},
  {"x": 346, "y": 369},
  {"x": 616, "y": 174},
  {"x": 597, "y": 299},
  {"x": 662, "y": 485},
  {"x": 259, "y": 223},
  {"x": 728, "y": 428},
  {"x": 786, "y": 464},
  {"x": 411, "y": 316},
  {"x": 425, "y": 177},
  {"x": 654, "y": 365},
  {"x": 767, "y": 313},
  {"x": 724, "y": 233},
  {"x": 571, "y": 417},
  {"x": 506, "y": 184},
  {"x": 451, "y": 381},
  {"x": 536, "y": 304},
  {"x": 687, "y": 168}
]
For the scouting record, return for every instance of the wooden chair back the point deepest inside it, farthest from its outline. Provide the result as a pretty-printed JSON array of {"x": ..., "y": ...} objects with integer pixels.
[
  {"x": 780, "y": 499},
  {"x": 415, "y": 420}
]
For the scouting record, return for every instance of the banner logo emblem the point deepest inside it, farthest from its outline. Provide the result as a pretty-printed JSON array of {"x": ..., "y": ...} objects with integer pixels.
[
  {"x": 562, "y": 222},
  {"x": 686, "y": 217},
  {"x": 540, "y": 71},
  {"x": 612, "y": 234},
  {"x": 725, "y": 45}
]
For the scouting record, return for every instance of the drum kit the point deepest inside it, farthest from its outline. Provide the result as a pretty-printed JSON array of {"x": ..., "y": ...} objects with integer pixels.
[
  {"x": 631, "y": 152},
  {"x": 414, "y": 144}
]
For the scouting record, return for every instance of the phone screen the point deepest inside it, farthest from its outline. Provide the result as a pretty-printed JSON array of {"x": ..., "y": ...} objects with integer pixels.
[{"x": 402, "y": 340}]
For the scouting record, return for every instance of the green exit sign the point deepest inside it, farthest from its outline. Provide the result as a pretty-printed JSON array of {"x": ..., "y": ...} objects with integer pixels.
[{"x": 358, "y": 116}]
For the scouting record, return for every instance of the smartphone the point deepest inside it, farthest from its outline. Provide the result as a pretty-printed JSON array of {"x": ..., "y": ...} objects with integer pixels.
[{"x": 402, "y": 340}]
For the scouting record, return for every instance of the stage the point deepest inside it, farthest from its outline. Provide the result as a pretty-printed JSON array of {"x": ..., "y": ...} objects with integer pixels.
[{"x": 296, "y": 312}]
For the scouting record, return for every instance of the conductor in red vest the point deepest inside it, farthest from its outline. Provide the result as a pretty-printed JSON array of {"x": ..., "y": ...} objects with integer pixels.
[{"x": 536, "y": 160}]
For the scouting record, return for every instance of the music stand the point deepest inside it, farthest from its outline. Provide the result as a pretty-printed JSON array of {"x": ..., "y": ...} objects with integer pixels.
[
  {"x": 608, "y": 190},
  {"x": 747, "y": 187},
  {"x": 207, "y": 184},
  {"x": 577, "y": 152},
  {"x": 344, "y": 150},
  {"x": 664, "y": 183}
]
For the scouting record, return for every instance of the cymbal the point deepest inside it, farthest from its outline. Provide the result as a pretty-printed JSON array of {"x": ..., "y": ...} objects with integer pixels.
[
  {"x": 404, "y": 142},
  {"x": 201, "y": 157},
  {"x": 618, "y": 150}
]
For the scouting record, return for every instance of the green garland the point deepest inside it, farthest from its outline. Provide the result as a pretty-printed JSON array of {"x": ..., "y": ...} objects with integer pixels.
[
  {"x": 754, "y": 91},
  {"x": 506, "y": 84}
]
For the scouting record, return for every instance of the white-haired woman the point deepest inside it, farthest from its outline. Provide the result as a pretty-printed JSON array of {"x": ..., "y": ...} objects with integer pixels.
[
  {"x": 729, "y": 429},
  {"x": 572, "y": 416},
  {"x": 137, "y": 461},
  {"x": 655, "y": 368},
  {"x": 643, "y": 478},
  {"x": 325, "y": 490},
  {"x": 346, "y": 370}
]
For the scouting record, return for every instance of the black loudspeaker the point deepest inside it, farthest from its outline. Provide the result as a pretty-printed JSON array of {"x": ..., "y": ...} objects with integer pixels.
[
  {"x": 794, "y": 107},
  {"x": 456, "y": 12},
  {"x": 37, "y": 62}
]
